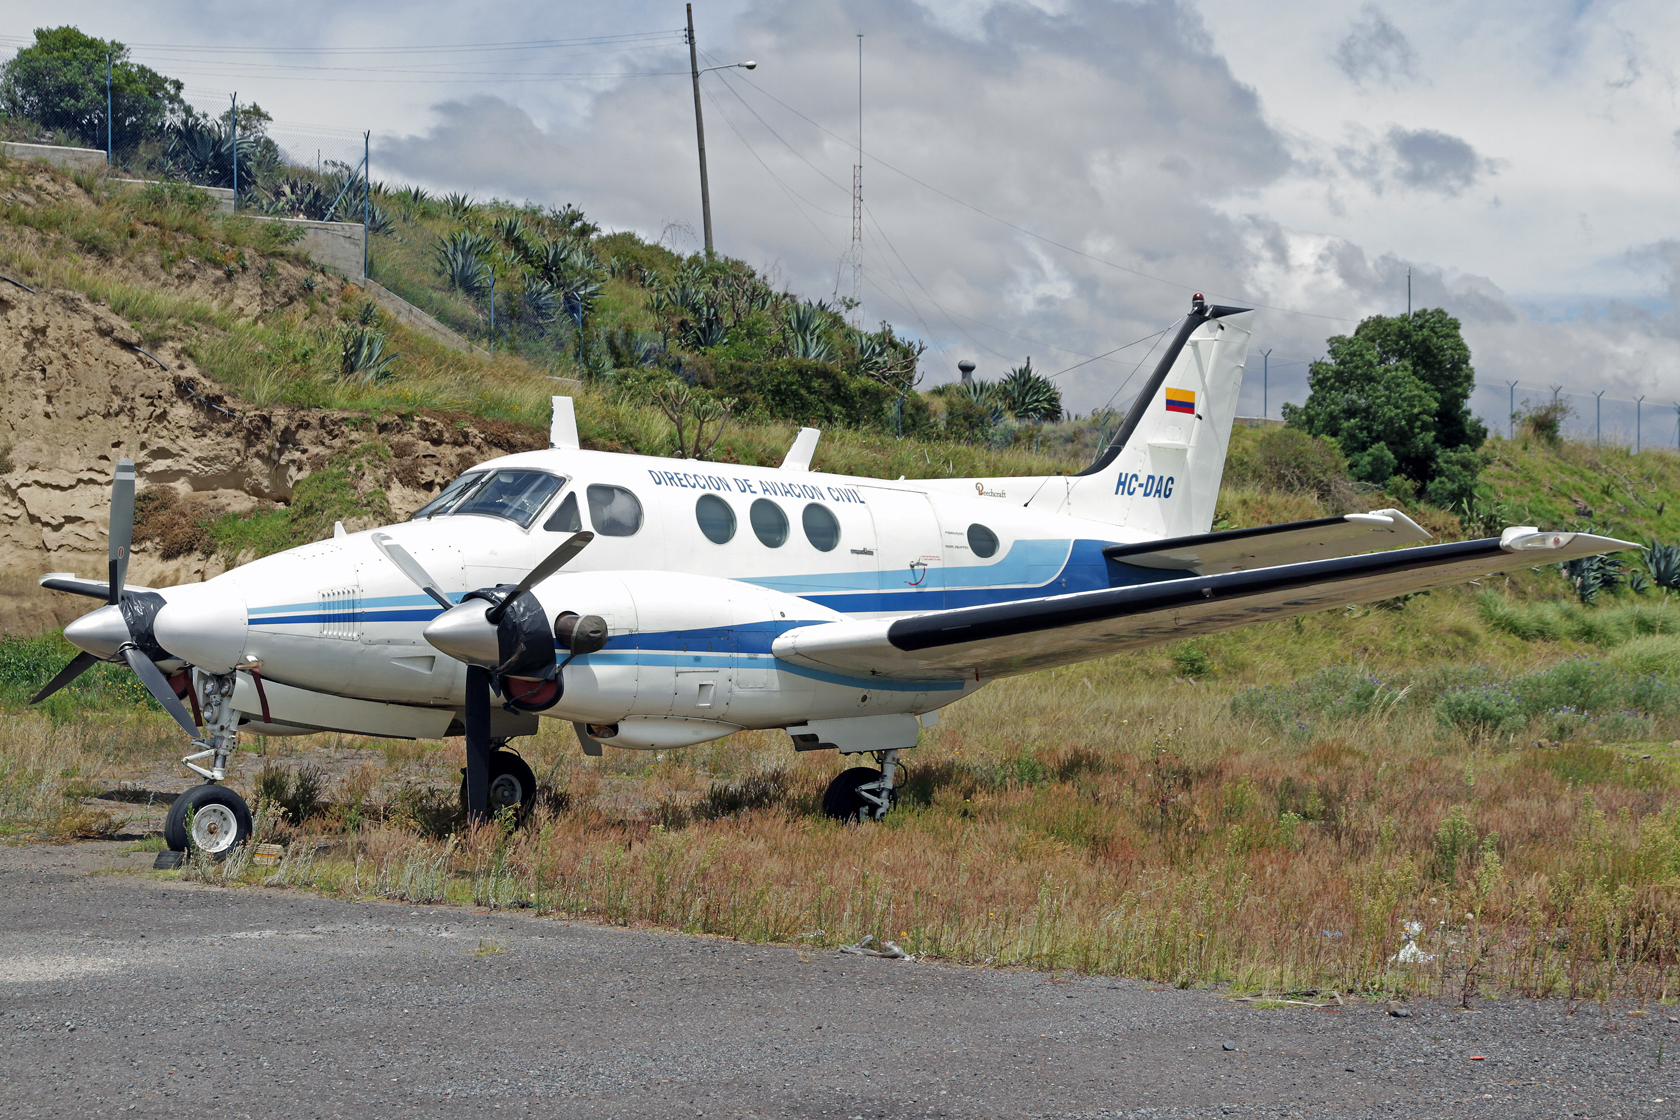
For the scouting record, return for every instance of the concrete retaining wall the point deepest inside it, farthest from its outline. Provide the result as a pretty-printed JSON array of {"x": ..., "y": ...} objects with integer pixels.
[
  {"x": 413, "y": 318},
  {"x": 77, "y": 159},
  {"x": 337, "y": 245}
]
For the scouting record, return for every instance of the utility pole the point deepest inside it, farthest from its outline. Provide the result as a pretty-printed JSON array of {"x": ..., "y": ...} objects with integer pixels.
[
  {"x": 367, "y": 203},
  {"x": 1511, "y": 423},
  {"x": 1638, "y": 407},
  {"x": 857, "y": 206},
  {"x": 1265, "y": 382},
  {"x": 1598, "y": 417},
  {"x": 1408, "y": 293},
  {"x": 233, "y": 123},
  {"x": 110, "y": 148},
  {"x": 700, "y": 133}
]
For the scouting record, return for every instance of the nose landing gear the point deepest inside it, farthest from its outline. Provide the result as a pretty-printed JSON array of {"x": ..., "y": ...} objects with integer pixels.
[
  {"x": 861, "y": 793},
  {"x": 210, "y": 817}
]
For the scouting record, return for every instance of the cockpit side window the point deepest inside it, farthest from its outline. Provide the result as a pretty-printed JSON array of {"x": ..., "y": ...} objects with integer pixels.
[
  {"x": 451, "y": 494},
  {"x": 514, "y": 494},
  {"x": 565, "y": 517}
]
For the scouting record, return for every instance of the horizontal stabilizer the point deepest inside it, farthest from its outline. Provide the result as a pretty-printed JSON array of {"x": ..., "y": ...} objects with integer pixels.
[
  {"x": 1031, "y": 634},
  {"x": 1295, "y": 542}
]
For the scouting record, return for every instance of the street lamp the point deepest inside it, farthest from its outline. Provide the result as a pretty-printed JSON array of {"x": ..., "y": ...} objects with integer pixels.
[{"x": 700, "y": 123}]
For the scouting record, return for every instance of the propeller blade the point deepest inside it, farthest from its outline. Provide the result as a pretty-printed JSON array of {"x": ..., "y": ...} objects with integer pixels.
[
  {"x": 477, "y": 720},
  {"x": 411, "y": 568},
  {"x": 556, "y": 560},
  {"x": 122, "y": 527},
  {"x": 153, "y": 679},
  {"x": 79, "y": 664}
]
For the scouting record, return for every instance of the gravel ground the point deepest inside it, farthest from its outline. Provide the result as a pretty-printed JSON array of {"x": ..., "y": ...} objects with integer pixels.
[{"x": 124, "y": 990}]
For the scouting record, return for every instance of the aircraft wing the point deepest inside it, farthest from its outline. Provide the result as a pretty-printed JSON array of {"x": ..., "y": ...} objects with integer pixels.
[
  {"x": 1237, "y": 550},
  {"x": 1034, "y": 634}
]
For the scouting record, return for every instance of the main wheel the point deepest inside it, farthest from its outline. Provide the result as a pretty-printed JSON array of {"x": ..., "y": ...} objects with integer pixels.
[
  {"x": 841, "y": 800},
  {"x": 512, "y": 785},
  {"x": 208, "y": 818}
]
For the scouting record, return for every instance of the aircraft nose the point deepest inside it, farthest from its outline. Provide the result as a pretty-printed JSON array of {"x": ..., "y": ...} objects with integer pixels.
[
  {"x": 101, "y": 632},
  {"x": 466, "y": 635},
  {"x": 203, "y": 626}
]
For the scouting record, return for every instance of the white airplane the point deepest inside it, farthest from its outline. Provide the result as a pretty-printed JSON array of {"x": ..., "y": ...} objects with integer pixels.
[{"x": 659, "y": 603}]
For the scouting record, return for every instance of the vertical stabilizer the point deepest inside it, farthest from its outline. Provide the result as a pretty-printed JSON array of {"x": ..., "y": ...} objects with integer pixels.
[{"x": 1160, "y": 473}]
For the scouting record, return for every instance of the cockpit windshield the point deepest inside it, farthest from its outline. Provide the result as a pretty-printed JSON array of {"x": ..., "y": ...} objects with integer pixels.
[{"x": 516, "y": 495}]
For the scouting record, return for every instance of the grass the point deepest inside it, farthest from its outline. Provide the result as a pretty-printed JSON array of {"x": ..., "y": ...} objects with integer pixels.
[{"x": 1113, "y": 817}]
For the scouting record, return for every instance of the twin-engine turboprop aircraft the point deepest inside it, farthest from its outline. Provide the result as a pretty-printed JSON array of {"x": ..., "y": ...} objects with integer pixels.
[{"x": 659, "y": 603}]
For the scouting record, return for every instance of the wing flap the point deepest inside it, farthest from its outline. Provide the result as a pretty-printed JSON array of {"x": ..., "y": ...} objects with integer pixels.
[
  {"x": 1295, "y": 542},
  {"x": 1037, "y": 634}
]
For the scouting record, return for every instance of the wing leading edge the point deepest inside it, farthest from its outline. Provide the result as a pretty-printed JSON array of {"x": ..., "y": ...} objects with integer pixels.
[{"x": 1034, "y": 634}]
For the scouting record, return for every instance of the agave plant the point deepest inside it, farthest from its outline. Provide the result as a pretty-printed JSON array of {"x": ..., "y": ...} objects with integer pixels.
[
  {"x": 1030, "y": 395},
  {"x": 412, "y": 198},
  {"x": 805, "y": 332},
  {"x": 363, "y": 357},
  {"x": 1590, "y": 575},
  {"x": 986, "y": 395},
  {"x": 706, "y": 331},
  {"x": 295, "y": 198},
  {"x": 460, "y": 261},
  {"x": 205, "y": 151},
  {"x": 458, "y": 206},
  {"x": 539, "y": 303},
  {"x": 1663, "y": 562}
]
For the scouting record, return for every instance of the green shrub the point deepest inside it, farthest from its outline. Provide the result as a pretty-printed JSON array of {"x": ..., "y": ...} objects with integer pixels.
[{"x": 1492, "y": 710}]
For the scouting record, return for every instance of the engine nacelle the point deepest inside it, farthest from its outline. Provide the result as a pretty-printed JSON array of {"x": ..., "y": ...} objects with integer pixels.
[{"x": 687, "y": 658}]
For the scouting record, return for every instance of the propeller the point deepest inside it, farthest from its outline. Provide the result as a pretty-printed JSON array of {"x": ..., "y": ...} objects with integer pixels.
[
  {"x": 499, "y": 633},
  {"x": 122, "y": 629}
]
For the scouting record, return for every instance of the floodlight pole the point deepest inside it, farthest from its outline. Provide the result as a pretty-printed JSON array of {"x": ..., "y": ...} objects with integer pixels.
[
  {"x": 1598, "y": 416},
  {"x": 700, "y": 133},
  {"x": 1265, "y": 381}
]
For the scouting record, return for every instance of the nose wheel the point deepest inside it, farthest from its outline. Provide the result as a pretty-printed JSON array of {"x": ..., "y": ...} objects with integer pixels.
[
  {"x": 210, "y": 819},
  {"x": 863, "y": 793}
]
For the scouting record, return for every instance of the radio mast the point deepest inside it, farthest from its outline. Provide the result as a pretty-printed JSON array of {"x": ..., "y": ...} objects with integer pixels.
[{"x": 857, "y": 206}]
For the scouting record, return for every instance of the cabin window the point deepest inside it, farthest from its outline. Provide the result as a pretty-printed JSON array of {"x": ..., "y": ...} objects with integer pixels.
[
  {"x": 821, "y": 527},
  {"x": 982, "y": 540},
  {"x": 516, "y": 495},
  {"x": 716, "y": 519},
  {"x": 451, "y": 494},
  {"x": 769, "y": 523},
  {"x": 614, "y": 511},
  {"x": 565, "y": 518}
]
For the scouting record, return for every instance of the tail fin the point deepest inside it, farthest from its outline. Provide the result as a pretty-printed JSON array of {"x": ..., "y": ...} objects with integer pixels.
[{"x": 1160, "y": 473}]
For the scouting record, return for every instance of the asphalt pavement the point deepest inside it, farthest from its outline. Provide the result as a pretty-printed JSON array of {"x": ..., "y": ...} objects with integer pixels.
[{"x": 128, "y": 992}]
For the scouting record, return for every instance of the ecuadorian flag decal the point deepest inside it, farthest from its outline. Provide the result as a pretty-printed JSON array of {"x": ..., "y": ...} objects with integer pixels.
[{"x": 1181, "y": 400}]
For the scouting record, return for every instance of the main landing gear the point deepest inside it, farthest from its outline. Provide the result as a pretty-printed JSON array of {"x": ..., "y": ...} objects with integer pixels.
[
  {"x": 512, "y": 784},
  {"x": 861, "y": 793},
  {"x": 210, "y": 818}
]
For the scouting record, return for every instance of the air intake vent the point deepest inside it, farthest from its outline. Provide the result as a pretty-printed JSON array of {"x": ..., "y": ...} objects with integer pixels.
[{"x": 339, "y": 614}]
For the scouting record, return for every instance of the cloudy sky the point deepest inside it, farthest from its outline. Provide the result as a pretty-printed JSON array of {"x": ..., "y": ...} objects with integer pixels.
[{"x": 1050, "y": 178}]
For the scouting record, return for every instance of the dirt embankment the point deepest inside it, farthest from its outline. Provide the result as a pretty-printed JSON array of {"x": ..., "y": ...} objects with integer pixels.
[{"x": 77, "y": 394}]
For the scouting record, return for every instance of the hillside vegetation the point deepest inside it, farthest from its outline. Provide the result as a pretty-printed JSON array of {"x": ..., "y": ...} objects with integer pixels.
[{"x": 1263, "y": 808}]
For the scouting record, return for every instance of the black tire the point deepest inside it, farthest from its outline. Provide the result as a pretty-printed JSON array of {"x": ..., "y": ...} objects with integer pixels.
[
  {"x": 511, "y": 784},
  {"x": 219, "y": 818},
  {"x": 841, "y": 800}
]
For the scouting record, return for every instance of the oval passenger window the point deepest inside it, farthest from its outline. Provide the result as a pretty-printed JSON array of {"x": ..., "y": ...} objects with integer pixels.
[
  {"x": 716, "y": 519},
  {"x": 769, "y": 523},
  {"x": 614, "y": 511},
  {"x": 982, "y": 540},
  {"x": 821, "y": 528}
]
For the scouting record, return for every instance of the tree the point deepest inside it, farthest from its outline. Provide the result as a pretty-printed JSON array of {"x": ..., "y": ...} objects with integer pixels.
[
  {"x": 59, "y": 83},
  {"x": 1394, "y": 396}
]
